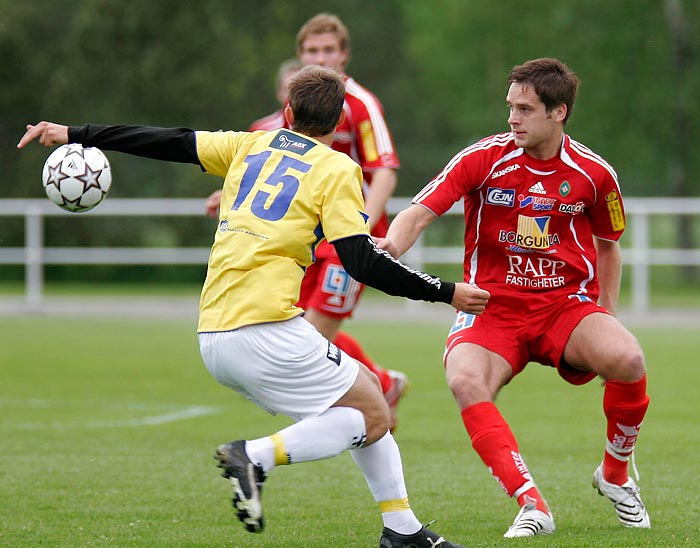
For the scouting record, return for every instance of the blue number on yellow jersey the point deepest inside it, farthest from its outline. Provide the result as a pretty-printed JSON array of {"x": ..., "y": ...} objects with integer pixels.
[{"x": 283, "y": 192}]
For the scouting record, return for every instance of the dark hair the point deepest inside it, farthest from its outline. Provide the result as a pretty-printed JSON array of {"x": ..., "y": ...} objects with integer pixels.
[
  {"x": 316, "y": 95},
  {"x": 554, "y": 83}
]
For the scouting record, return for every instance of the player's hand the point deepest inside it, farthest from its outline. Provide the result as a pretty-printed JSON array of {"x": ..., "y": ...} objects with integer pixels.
[
  {"x": 470, "y": 298},
  {"x": 212, "y": 204},
  {"x": 49, "y": 134},
  {"x": 388, "y": 246}
]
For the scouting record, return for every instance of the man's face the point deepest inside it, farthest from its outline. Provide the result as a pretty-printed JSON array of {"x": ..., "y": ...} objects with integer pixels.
[
  {"x": 534, "y": 129},
  {"x": 323, "y": 49}
]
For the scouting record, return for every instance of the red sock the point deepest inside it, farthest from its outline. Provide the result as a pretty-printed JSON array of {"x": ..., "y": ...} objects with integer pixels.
[
  {"x": 624, "y": 404},
  {"x": 351, "y": 347},
  {"x": 495, "y": 443}
]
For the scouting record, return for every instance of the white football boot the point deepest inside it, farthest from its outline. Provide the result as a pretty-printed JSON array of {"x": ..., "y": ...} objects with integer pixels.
[
  {"x": 530, "y": 522},
  {"x": 625, "y": 499}
]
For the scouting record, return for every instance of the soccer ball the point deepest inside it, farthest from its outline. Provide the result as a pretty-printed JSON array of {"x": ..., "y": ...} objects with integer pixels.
[{"x": 76, "y": 178}]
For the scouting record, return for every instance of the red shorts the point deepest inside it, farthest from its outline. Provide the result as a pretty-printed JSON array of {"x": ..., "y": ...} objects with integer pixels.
[
  {"x": 522, "y": 334},
  {"x": 329, "y": 289}
]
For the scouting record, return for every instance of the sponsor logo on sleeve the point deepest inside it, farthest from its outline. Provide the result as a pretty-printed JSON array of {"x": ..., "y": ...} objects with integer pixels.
[
  {"x": 500, "y": 196},
  {"x": 617, "y": 219},
  {"x": 369, "y": 144}
]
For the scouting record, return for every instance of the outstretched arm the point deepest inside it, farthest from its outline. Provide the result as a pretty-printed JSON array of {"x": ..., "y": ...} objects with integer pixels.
[
  {"x": 405, "y": 229},
  {"x": 372, "y": 266},
  {"x": 169, "y": 144}
]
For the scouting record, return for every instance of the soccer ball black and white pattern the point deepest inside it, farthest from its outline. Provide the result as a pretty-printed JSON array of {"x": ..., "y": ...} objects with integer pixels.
[{"x": 76, "y": 178}]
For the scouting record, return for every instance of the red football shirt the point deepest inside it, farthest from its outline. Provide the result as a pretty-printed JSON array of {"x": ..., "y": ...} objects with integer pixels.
[
  {"x": 529, "y": 224},
  {"x": 270, "y": 122},
  {"x": 365, "y": 137}
]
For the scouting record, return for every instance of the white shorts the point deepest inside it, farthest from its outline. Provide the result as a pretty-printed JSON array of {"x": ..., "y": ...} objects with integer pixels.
[{"x": 284, "y": 367}]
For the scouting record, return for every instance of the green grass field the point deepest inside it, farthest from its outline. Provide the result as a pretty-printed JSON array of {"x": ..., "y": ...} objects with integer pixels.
[{"x": 108, "y": 427}]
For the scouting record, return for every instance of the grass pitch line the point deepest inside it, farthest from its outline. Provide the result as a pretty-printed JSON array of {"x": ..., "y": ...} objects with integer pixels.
[
  {"x": 178, "y": 414},
  {"x": 155, "y": 420}
]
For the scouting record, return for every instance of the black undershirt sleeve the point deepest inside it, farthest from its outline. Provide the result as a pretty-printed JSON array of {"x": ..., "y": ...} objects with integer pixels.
[
  {"x": 372, "y": 266},
  {"x": 169, "y": 144}
]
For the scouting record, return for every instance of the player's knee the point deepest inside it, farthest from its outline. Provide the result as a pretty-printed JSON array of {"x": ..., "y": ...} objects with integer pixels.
[
  {"x": 469, "y": 386},
  {"x": 634, "y": 364},
  {"x": 628, "y": 365},
  {"x": 373, "y": 406},
  {"x": 376, "y": 424}
]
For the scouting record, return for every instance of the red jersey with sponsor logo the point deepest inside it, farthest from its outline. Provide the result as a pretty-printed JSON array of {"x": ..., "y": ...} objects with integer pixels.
[{"x": 529, "y": 224}]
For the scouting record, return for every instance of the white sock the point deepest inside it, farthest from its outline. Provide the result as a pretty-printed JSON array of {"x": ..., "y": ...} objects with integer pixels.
[
  {"x": 381, "y": 465},
  {"x": 261, "y": 452},
  {"x": 324, "y": 436}
]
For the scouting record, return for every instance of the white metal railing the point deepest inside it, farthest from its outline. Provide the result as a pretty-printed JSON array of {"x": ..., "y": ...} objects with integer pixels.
[{"x": 34, "y": 255}]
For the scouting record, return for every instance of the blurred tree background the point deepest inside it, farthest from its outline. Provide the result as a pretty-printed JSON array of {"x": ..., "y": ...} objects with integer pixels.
[{"x": 439, "y": 67}]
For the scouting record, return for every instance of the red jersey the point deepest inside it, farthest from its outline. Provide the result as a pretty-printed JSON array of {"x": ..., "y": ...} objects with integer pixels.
[
  {"x": 270, "y": 122},
  {"x": 529, "y": 224},
  {"x": 365, "y": 137}
]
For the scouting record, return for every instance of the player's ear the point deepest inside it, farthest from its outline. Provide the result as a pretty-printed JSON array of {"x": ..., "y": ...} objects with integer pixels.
[
  {"x": 289, "y": 115},
  {"x": 560, "y": 112}
]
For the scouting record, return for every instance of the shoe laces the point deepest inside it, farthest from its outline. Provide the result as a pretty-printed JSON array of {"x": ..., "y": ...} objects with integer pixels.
[
  {"x": 634, "y": 467},
  {"x": 634, "y": 491}
]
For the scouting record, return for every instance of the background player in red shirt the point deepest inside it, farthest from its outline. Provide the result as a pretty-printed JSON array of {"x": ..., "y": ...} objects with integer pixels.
[
  {"x": 328, "y": 294},
  {"x": 286, "y": 71},
  {"x": 543, "y": 215}
]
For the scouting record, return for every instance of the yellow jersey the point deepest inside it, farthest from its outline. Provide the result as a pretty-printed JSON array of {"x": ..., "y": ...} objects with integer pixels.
[{"x": 283, "y": 193}]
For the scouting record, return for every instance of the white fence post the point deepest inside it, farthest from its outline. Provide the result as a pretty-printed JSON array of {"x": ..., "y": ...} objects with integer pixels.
[
  {"x": 34, "y": 255},
  {"x": 640, "y": 262}
]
